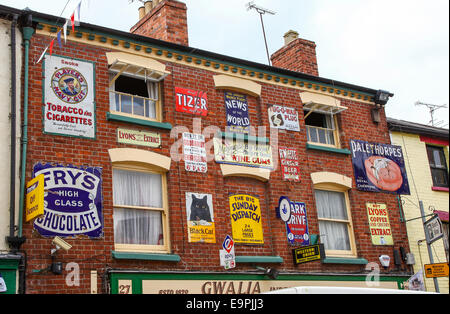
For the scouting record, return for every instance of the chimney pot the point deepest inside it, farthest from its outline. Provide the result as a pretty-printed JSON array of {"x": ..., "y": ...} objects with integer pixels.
[
  {"x": 290, "y": 36},
  {"x": 148, "y": 6},
  {"x": 141, "y": 12}
]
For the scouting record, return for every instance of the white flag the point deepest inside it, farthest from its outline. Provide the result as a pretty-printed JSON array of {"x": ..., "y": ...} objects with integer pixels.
[{"x": 42, "y": 55}]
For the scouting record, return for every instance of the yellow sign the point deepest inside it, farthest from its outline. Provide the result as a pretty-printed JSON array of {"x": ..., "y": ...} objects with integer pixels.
[
  {"x": 246, "y": 220},
  {"x": 436, "y": 270},
  {"x": 35, "y": 198},
  {"x": 380, "y": 228}
]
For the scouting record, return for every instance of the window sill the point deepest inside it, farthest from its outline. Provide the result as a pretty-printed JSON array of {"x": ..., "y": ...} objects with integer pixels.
[
  {"x": 146, "y": 256},
  {"x": 259, "y": 259},
  {"x": 329, "y": 149},
  {"x": 440, "y": 189},
  {"x": 160, "y": 125},
  {"x": 345, "y": 260}
]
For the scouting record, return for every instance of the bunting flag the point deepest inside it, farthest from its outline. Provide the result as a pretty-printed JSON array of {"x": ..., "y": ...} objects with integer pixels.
[
  {"x": 42, "y": 55},
  {"x": 72, "y": 19},
  {"x": 58, "y": 36},
  {"x": 64, "y": 29},
  {"x": 50, "y": 49}
]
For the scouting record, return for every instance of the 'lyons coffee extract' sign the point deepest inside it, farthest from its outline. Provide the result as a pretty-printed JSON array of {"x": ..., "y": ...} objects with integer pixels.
[
  {"x": 69, "y": 97},
  {"x": 72, "y": 201}
]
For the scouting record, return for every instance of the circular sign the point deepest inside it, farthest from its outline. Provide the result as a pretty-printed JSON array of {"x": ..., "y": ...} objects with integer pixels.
[
  {"x": 69, "y": 85},
  {"x": 284, "y": 207}
]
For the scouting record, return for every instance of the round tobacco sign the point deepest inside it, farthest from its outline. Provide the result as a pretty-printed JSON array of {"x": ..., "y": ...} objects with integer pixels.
[
  {"x": 69, "y": 85},
  {"x": 284, "y": 207}
]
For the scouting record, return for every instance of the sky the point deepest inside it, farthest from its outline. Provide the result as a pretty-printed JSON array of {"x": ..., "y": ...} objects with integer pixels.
[{"x": 401, "y": 46}]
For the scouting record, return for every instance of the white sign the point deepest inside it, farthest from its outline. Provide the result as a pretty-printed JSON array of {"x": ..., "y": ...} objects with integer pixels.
[
  {"x": 227, "y": 256},
  {"x": 2, "y": 284},
  {"x": 433, "y": 228},
  {"x": 194, "y": 153},
  {"x": 283, "y": 118},
  {"x": 69, "y": 97}
]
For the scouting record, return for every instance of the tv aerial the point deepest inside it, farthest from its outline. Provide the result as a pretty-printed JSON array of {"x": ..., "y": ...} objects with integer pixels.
[
  {"x": 251, "y": 5},
  {"x": 432, "y": 109}
]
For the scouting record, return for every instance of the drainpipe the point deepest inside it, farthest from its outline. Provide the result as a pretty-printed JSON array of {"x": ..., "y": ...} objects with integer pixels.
[
  {"x": 27, "y": 34},
  {"x": 12, "y": 192}
]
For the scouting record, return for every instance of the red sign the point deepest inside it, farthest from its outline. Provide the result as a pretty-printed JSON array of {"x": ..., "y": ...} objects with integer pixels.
[
  {"x": 191, "y": 101},
  {"x": 289, "y": 164}
]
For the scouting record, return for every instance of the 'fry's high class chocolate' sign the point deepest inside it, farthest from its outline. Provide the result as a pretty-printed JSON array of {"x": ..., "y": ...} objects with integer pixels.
[{"x": 72, "y": 201}]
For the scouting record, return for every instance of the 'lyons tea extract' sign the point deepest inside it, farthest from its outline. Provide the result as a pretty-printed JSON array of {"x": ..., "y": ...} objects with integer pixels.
[{"x": 72, "y": 201}]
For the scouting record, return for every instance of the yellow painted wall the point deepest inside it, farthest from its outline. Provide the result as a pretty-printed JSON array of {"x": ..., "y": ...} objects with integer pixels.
[{"x": 420, "y": 181}]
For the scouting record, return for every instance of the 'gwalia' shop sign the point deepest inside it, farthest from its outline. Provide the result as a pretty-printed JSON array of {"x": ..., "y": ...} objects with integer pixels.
[
  {"x": 379, "y": 167},
  {"x": 69, "y": 97},
  {"x": 72, "y": 201}
]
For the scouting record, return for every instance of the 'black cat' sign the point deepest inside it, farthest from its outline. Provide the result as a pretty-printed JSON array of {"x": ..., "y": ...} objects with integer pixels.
[{"x": 200, "y": 218}]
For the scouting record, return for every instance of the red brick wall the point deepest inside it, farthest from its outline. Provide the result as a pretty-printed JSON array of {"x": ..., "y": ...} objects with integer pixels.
[
  {"x": 167, "y": 21},
  {"x": 355, "y": 123},
  {"x": 299, "y": 55}
]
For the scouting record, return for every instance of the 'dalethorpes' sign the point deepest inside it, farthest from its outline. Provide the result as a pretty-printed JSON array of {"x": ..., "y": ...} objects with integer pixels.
[
  {"x": 191, "y": 101},
  {"x": 72, "y": 201},
  {"x": 69, "y": 97}
]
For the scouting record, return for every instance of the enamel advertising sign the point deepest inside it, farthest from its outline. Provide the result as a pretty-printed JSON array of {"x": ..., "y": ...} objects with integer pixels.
[
  {"x": 200, "y": 218},
  {"x": 289, "y": 164},
  {"x": 379, "y": 167},
  {"x": 244, "y": 153},
  {"x": 191, "y": 101},
  {"x": 35, "y": 198},
  {"x": 72, "y": 201},
  {"x": 380, "y": 228},
  {"x": 283, "y": 118},
  {"x": 194, "y": 152},
  {"x": 69, "y": 97},
  {"x": 246, "y": 223},
  {"x": 236, "y": 106}
]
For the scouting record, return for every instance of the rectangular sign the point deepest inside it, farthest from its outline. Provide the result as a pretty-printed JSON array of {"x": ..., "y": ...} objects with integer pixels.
[
  {"x": 141, "y": 138},
  {"x": 379, "y": 167},
  {"x": 289, "y": 164},
  {"x": 200, "y": 218},
  {"x": 35, "y": 198},
  {"x": 245, "y": 212},
  {"x": 297, "y": 225},
  {"x": 283, "y": 118},
  {"x": 436, "y": 270},
  {"x": 73, "y": 201},
  {"x": 69, "y": 97},
  {"x": 194, "y": 153},
  {"x": 307, "y": 254},
  {"x": 433, "y": 228},
  {"x": 191, "y": 101},
  {"x": 244, "y": 153},
  {"x": 236, "y": 106},
  {"x": 380, "y": 228}
]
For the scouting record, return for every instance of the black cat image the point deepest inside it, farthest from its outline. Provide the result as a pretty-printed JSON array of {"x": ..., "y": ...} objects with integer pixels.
[{"x": 200, "y": 209}]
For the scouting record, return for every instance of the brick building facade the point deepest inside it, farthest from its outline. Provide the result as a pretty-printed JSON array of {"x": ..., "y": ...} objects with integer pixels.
[{"x": 97, "y": 158}]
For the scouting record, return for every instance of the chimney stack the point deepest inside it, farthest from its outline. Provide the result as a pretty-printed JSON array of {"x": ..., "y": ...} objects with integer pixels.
[
  {"x": 163, "y": 19},
  {"x": 297, "y": 54}
]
